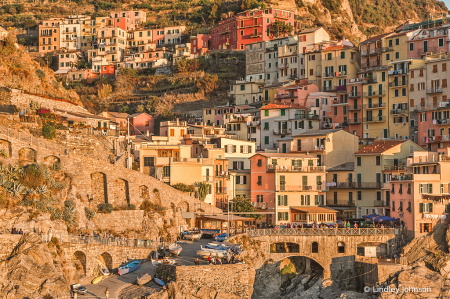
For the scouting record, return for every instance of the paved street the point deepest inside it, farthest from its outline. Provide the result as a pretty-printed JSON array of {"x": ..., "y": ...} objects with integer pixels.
[{"x": 116, "y": 283}]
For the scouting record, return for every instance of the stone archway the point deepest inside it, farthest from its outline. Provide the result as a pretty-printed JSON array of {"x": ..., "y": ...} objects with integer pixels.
[
  {"x": 51, "y": 162},
  {"x": 120, "y": 193},
  {"x": 183, "y": 207},
  {"x": 80, "y": 259},
  {"x": 106, "y": 259},
  {"x": 27, "y": 156},
  {"x": 99, "y": 188},
  {"x": 5, "y": 145},
  {"x": 144, "y": 193}
]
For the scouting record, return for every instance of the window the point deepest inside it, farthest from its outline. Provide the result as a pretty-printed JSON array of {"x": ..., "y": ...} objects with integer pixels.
[
  {"x": 342, "y": 55},
  {"x": 266, "y": 112},
  {"x": 149, "y": 161},
  {"x": 314, "y": 247},
  {"x": 411, "y": 47},
  {"x": 266, "y": 139},
  {"x": 341, "y": 247},
  {"x": 426, "y": 207},
  {"x": 242, "y": 87},
  {"x": 283, "y": 216},
  {"x": 397, "y": 55},
  {"x": 282, "y": 200},
  {"x": 441, "y": 42},
  {"x": 359, "y": 195},
  {"x": 283, "y": 111},
  {"x": 358, "y": 161}
]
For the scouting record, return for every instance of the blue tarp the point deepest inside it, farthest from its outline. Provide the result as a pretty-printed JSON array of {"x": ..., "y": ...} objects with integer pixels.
[
  {"x": 384, "y": 219},
  {"x": 371, "y": 216}
]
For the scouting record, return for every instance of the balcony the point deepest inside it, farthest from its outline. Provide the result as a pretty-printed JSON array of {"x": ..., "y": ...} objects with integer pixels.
[
  {"x": 283, "y": 66},
  {"x": 402, "y": 177},
  {"x": 223, "y": 175},
  {"x": 355, "y": 185},
  {"x": 329, "y": 88},
  {"x": 341, "y": 89},
  {"x": 375, "y": 93},
  {"x": 399, "y": 111},
  {"x": 354, "y": 107},
  {"x": 434, "y": 90},
  {"x": 375, "y": 105},
  {"x": 374, "y": 51},
  {"x": 381, "y": 203},
  {"x": 318, "y": 74},
  {"x": 329, "y": 75},
  {"x": 337, "y": 102},
  {"x": 354, "y": 95},
  {"x": 253, "y": 35},
  {"x": 306, "y": 116},
  {"x": 281, "y": 131},
  {"x": 284, "y": 96},
  {"x": 374, "y": 119},
  {"x": 221, "y": 190},
  {"x": 314, "y": 188},
  {"x": 396, "y": 84},
  {"x": 274, "y": 168},
  {"x": 260, "y": 205},
  {"x": 353, "y": 121},
  {"x": 396, "y": 167},
  {"x": 398, "y": 72},
  {"x": 422, "y": 51},
  {"x": 371, "y": 64}
]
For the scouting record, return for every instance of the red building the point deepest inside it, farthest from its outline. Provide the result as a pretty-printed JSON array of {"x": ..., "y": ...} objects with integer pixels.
[
  {"x": 247, "y": 27},
  {"x": 107, "y": 71},
  {"x": 199, "y": 44}
]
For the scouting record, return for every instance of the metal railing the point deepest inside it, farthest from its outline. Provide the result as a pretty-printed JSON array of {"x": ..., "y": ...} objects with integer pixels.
[
  {"x": 273, "y": 168},
  {"x": 374, "y": 119},
  {"x": 355, "y": 185},
  {"x": 100, "y": 240},
  {"x": 313, "y": 188},
  {"x": 322, "y": 232},
  {"x": 374, "y": 105},
  {"x": 354, "y": 95},
  {"x": 380, "y": 203}
]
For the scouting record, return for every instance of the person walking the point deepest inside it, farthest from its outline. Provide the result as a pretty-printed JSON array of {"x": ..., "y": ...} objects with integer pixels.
[
  {"x": 209, "y": 258},
  {"x": 197, "y": 262},
  {"x": 107, "y": 293}
]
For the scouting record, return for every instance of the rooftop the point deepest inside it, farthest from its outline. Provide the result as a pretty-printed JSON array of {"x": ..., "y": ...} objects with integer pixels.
[
  {"x": 313, "y": 210},
  {"x": 375, "y": 38},
  {"x": 284, "y": 155},
  {"x": 282, "y": 106},
  {"x": 309, "y": 30},
  {"x": 347, "y": 166},
  {"x": 118, "y": 114},
  {"x": 317, "y": 133},
  {"x": 379, "y": 147}
]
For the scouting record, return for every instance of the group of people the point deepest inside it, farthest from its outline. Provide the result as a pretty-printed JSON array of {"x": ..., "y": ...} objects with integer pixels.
[
  {"x": 14, "y": 231},
  {"x": 230, "y": 259}
]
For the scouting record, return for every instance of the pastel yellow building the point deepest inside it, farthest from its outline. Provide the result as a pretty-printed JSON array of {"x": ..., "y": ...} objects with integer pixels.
[{"x": 341, "y": 194}]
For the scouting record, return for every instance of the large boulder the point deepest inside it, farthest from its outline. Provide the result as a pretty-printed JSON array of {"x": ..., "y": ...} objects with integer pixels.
[{"x": 30, "y": 271}]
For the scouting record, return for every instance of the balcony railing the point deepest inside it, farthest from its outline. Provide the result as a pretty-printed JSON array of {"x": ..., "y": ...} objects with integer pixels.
[
  {"x": 397, "y": 72},
  {"x": 313, "y": 188},
  {"x": 372, "y": 64},
  {"x": 354, "y": 95},
  {"x": 399, "y": 111},
  {"x": 354, "y": 121},
  {"x": 328, "y": 75},
  {"x": 397, "y": 84},
  {"x": 281, "y": 131},
  {"x": 355, "y": 185},
  {"x": 380, "y": 203},
  {"x": 260, "y": 205},
  {"x": 329, "y": 88},
  {"x": 374, "y": 93},
  {"x": 306, "y": 116},
  {"x": 395, "y": 167},
  {"x": 402, "y": 177},
  {"x": 375, "y": 105},
  {"x": 273, "y": 168},
  {"x": 374, "y": 119},
  {"x": 283, "y": 66},
  {"x": 434, "y": 90},
  {"x": 354, "y": 107},
  {"x": 318, "y": 231},
  {"x": 221, "y": 190}
]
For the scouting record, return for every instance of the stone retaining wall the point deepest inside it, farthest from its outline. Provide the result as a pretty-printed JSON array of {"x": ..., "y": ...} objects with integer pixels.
[
  {"x": 120, "y": 221},
  {"x": 230, "y": 279},
  {"x": 23, "y": 100}
]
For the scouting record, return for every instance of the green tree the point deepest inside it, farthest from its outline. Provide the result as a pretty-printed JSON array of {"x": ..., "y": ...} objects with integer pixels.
[
  {"x": 241, "y": 204},
  {"x": 140, "y": 109},
  {"x": 49, "y": 131},
  {"x": 280, "y": 28},
  {"x": 48, "y": 58},
  {"x": 124, "y": 109},
  {"x": 203, "y": 190}
]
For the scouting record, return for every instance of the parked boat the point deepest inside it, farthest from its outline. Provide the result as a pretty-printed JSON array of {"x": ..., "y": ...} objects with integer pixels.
[
  {"x": 175, "y": 249},
  {"x": 159, "y": 281},
  {"x": 192, "y": 236},
  {"x": 221, "y": 237},
  {"x": 103, "y": 271},
  {"x": 79, "y": 289},
  {"x": 205, "y": 252},
  {"x": 143, "y": 279},
  {"x": 129, "y": 267},
  {"x": 163, "y": 261},
  {"x": 97, "y": 279}
]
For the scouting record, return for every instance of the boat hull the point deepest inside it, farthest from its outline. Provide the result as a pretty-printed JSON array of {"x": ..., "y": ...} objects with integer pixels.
[
  {"x": 97, "y": 280},
  {"x": 205, "y": 254},
  {"x": 193, "y": 237},
  {"x": 159, "y": 281},
  {"x": 129, "y": 268},
  {"x": 175, "y": 252}
]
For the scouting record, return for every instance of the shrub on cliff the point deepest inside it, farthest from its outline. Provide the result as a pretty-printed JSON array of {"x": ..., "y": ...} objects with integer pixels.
[
  {"x": 106, "y": 208},
  {"x": 90, "y": 214},
  {"x": 69, "y": 204},
  {"x": 149, "y": 206},
  {"x": 184, "y": 188},
  {"x": 49, "y": 131},
  {"x": 33, "y": 176}
]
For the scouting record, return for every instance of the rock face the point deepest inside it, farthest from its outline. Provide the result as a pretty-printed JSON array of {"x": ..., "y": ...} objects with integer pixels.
[{"x": 30, "y": 271}]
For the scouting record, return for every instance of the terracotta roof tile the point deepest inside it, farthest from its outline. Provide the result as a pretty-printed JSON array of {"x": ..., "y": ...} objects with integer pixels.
[
  {"x": 282, "y": 106},
  {"x": 374, "y": 38},
  {"x": 379, "y": 147},
  {"x": 313, "y": 209},
  {"x": 338, "y": 47}
]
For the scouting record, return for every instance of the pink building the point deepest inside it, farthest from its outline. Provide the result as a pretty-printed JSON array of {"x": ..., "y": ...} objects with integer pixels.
[
  {"x": 220, "y": 111},
  {"x": 141, "y": 123},
  {"x": 296, "y": 93},
  {"x": 320, "y": 104},
  {"x": 433, "y": 131},
  {"x": 430, "y": 40},
  {"x": 127, "y": 20},
  {"x": 199, "y": 44},
  {"x": 420, "y": 195},
  {"x": 246, "y": 28},
  {"x": 107, "y": 71}
]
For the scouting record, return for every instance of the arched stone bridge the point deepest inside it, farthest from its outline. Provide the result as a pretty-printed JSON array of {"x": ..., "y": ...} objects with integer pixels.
[{"x": 320, "y": 245}]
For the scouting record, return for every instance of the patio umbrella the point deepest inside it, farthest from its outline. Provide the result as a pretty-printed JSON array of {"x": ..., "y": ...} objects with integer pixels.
[
  {"x": 371, "y": 216},
  {"x": 384, "y": 219}
]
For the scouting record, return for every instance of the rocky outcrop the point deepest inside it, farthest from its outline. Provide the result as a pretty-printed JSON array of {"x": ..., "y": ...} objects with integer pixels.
[
  {"x": 185, "y": 291},
  {"x": 30, "y": 271}
]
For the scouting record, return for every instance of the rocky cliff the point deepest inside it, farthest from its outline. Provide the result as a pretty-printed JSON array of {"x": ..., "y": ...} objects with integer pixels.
[{"x": 34, "y": 269}]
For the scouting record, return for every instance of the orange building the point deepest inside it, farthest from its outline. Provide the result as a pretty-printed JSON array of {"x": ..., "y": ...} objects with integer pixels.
[
  {"x": 49, "y": 35},
  {"x": 291, "y": 187}
]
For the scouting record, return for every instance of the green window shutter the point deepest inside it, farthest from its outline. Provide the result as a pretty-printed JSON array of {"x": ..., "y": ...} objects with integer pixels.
[
  {"x": 430, "y": 188},
  {"x": 300, "y": 163},
  {"x": 303, "y": 200},
  {"x": 393, "y": 206},
  {"x": 266, "y": 112},
  {"x": 279, "y": 200},
  {"x": 286, "y": 215},
  {"x": 383, "y": 76},
  {"x": 266, "y": 139},
  {"x": 283, "y": 112},
  {"x": 279, "y": 215},
  {"x": 430, "y": 207},
  {"x": 274, "y": 161},
  {"x": 295, "y": 124},
  {"x": 316, "y": 201},
  {"x": 309, "y": 200},
  {"x": 421, "y": 207},
  {"x": 286, "y": 200},
  {"x": 293, "y": 162}
]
